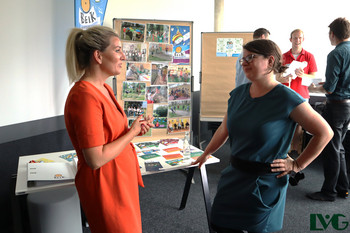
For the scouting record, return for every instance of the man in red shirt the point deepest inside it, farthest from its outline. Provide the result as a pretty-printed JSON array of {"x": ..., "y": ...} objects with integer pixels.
[{"x": 307, "y": 70}]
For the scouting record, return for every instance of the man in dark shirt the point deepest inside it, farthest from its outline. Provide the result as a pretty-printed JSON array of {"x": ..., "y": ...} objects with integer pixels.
[{"x": 337, "y": 112}]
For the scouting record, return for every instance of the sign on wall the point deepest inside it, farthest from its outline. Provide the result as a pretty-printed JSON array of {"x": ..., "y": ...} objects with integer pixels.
[{"x": 89, "y": 12}]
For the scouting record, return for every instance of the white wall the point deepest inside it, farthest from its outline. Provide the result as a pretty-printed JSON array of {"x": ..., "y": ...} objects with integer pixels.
[
  {"x": 32, "y": 70},
  {"x": 32, "y": 43},
  {"x": 281, "y": 17},
  {"x": 33, "y": 34}
]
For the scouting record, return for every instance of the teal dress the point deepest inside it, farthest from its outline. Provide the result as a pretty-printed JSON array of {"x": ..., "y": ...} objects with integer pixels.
[{"x": 260, "y": 130}]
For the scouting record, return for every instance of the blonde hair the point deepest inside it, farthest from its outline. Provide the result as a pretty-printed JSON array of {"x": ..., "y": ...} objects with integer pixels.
[
  {"x": 296, "y": 30},
  {"x": 80, "y": 46}
]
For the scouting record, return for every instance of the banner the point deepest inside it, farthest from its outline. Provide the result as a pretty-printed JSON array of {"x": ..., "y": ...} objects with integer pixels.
[{"x": 89, "y": 12}]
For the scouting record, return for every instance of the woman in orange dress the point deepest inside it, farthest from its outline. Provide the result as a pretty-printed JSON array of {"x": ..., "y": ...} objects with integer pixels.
[{"x": 108, "y": 172}]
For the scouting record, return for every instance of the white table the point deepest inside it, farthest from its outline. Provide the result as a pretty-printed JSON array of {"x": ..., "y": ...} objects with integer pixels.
[{"x": 22, "y": 187}]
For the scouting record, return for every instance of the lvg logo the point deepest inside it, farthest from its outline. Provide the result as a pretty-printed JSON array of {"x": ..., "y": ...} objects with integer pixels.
[{"x": 319, "y": 222}]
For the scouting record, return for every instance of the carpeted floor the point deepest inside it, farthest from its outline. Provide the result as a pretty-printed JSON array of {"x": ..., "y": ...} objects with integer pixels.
[{"x": 160, "y": 200}]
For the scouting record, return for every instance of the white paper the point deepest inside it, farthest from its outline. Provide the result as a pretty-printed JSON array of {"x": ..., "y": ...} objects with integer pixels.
[
  {"x": 293, "y": 66},
  {"x": 51, "y": 171}
]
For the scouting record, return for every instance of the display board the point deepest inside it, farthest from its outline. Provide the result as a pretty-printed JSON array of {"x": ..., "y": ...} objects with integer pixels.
[
  {"x": 219, "y": 54},
  {"x": 156, "y": 76}
]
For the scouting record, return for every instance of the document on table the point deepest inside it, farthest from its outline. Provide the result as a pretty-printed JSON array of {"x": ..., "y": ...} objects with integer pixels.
[{"x": 42, "y": 173}]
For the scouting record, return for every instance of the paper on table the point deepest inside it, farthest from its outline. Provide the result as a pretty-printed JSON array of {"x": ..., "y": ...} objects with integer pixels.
[{"x": 51, "y": 171}]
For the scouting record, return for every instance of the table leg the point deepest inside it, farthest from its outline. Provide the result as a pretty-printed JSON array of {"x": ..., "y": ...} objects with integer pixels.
[
  {"x": 187, "y": 188},
  {"x": 206, "y": 194}
]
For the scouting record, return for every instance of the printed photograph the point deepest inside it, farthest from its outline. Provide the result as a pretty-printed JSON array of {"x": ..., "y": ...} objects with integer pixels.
[
  {"x": 159, "y": 74},
  {"x": 138, "y": 71},
  {"x": 178, "y": 125},
  {"x": 132, "y": 31},
  {"x": 179, "y": 108},
  {"x": 135, "y": 51},
  {"x": 135, "y": 108},
  {"x": 157, "y": 94},
  {"x": 160, "y": 52},
  {"x": 133, "y": 91},
  {"x": 160, "y": 110},
  {"x": 179, "y": 74},
  {"x": 180, "y": 91},
  {"x": 160, "y": 122},
  {"x": 157, "y": 33}
]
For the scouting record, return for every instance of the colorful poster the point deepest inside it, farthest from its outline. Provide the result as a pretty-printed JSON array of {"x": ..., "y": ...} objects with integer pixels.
[
  {"x": 229, "y": 47},
  {"x": 89, "y": 12},
  {"x": 180, "y": 39}
]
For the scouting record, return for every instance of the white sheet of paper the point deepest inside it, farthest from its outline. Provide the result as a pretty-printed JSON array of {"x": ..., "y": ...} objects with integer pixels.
[
  {"x": 293, "y": 66},
  {"x": 306, "y": 81}
]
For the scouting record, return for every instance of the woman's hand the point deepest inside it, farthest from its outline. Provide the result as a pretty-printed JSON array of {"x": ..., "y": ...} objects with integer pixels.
[
  {"x": 146, "y": 124},
  {"x": 285, "y": 166},
  {"x": 141, "y": 127},
  {"x": 201, "y": 160}
]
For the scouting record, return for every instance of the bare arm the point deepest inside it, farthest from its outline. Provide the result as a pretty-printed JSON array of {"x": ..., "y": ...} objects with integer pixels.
[
  {"x": 283, "y": 79},
  {"x": 98, "y": 156},
  {"x": 318, "y": 89},
  {"x": 314, "y": 123},
  {"x": 215, "y": 143},
  {"x": 300, "y": 73}
]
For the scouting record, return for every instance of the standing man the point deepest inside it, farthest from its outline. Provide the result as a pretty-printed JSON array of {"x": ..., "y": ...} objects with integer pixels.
[
  {"x": 337, "y": 112},
  {"x": 306, "y": 70},
  {"x": 260, "y": 33}
]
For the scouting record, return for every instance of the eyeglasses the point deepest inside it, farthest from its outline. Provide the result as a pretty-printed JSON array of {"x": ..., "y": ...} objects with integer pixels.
[{"x": 248, "y": 58}]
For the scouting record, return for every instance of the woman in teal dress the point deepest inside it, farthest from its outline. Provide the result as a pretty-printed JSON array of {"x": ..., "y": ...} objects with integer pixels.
[{"x": 259, "y": 124}]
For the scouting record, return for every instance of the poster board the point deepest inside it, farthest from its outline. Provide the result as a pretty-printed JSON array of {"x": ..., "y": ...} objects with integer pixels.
[
  {"x": 156, "y": 76},
  {"x": 219, "y": 54}
]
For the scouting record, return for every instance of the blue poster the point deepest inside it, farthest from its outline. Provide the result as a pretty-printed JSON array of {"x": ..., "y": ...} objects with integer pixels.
[
  {"x": 180, "y": 39},
  {"x": 89, "y": 12}
]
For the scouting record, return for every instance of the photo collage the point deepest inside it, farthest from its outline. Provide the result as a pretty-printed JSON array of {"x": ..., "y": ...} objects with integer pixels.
[{"x": 158, "y": 74}]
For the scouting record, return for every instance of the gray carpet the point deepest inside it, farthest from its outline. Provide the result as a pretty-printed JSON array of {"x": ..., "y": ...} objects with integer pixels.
[{"x": 161, "y": 197}]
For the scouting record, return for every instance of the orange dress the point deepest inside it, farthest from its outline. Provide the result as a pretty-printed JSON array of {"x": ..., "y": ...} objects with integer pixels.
[{"x": 109, "y": 195}]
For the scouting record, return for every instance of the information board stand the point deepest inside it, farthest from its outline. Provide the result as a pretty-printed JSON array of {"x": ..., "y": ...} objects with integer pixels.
[{"x": 157, "y": 76}]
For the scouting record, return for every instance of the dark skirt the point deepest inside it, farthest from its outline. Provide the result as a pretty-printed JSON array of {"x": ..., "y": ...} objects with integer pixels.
[{"x": 245, "y": 201}]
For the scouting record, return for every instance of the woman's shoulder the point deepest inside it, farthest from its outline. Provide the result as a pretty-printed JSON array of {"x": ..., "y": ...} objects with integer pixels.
[
  {"x": 287, "y": 94},
  {"x": 240, "y": 89},
  {"x": 83, "y": 91}
]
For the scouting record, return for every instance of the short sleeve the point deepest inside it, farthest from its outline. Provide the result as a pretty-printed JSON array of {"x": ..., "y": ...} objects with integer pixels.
[
  {"x": 312, "y": 64},
  {"x": 86, "y": 115}
]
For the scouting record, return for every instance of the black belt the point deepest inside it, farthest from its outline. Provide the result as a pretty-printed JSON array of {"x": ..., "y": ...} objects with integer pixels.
[
  {"x": 253, "y": 167},
  {"x": 342, "y": 101}
]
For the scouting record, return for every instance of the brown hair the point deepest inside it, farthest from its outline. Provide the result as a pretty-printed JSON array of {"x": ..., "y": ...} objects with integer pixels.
[
  {"x": 267, "y": 48},
  {"x": 340, "y": 28}
]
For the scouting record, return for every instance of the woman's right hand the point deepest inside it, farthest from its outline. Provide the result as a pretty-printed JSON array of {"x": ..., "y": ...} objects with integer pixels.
[{"x": 141, "y": 127}]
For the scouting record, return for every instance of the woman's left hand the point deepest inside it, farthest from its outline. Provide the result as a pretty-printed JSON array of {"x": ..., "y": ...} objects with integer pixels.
[{"x": 285, "y": 166}]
